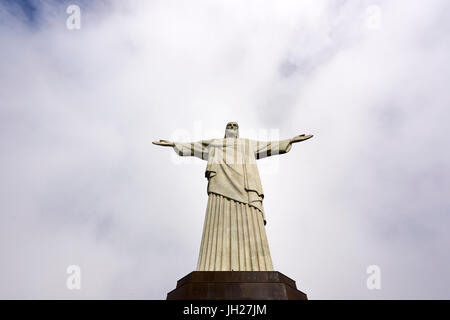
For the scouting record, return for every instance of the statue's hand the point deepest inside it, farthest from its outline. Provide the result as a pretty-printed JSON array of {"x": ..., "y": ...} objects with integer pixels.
[
  {"x": 164, "y": 143},
  {"x": 301, "y": 137}
]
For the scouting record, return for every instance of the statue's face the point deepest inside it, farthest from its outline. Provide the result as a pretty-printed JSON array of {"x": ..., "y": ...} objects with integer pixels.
[{"x": 232, "y": 130}]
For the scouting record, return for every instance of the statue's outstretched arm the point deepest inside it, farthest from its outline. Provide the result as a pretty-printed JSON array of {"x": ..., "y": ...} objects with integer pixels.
[
  {"x": 197, "y": 149},
  {"x": 164, "y": 143},
  {"x": 269, "y": 148},
  {"x": 301, "y": 137}
]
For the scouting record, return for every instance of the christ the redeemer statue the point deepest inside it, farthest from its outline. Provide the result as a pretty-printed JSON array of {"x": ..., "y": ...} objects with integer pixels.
[{"x": 234, "y": 236}]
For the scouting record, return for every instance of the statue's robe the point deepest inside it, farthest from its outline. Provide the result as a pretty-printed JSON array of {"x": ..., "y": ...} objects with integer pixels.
[{"x": 234, "y": 236}]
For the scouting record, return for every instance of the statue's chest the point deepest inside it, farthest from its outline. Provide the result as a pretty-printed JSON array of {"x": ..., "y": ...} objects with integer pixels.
[{"x": 230, "y": 153}]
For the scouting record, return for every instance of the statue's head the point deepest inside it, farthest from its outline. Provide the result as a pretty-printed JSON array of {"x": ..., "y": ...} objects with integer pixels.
[{"x": 232, "y": 130}]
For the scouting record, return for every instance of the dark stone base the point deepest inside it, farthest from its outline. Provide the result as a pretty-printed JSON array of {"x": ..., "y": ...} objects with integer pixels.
[{"x": 236, "y": 285}]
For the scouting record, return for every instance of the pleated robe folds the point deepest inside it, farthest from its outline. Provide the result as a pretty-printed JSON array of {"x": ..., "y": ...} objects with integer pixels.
[{"x": 234, "y": 235}]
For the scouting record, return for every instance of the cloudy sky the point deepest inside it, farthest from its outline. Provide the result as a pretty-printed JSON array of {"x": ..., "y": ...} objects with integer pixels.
[{"x": 81, "y": 183}]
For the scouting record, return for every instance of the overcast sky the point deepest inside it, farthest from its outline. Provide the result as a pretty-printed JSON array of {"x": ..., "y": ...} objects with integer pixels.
[{"x": 81, "y": 183}]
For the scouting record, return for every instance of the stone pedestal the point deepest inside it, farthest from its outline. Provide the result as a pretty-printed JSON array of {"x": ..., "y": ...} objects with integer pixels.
[{"x": 236, "y": 285}]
